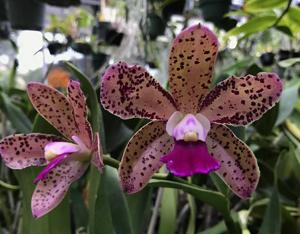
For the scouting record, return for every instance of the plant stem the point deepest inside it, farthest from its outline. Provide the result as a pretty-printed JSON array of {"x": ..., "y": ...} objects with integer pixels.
[
  {"x": 231, "y": 226},
  {"x": 8, "y": 186}
]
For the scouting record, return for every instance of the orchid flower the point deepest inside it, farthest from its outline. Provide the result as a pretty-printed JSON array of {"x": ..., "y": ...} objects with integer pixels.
[
  {"x": 187, "y": 130},
  {"x": 66, "y": 158}
]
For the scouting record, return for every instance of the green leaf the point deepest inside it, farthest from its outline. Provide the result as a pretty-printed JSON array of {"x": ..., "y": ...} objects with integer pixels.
[
  {"x": 272, "y": 218},
  {"x": 41, "y": 123},
  {"x": 215, "y": 199},
  {"x": 117, "y": 134},
  {"x": 219, "y": 183},
  {"x": 291, "y": 20},
  {"x": 15, "y": 115},
  {"x": 254, "y": 25},
  {"x": 168, "y": 211},
  {"x": 254, "y": 6},
  {"x": 118, "y": 202},
  {"x": 219, "y": 228},
  {"x": 140, "y": 209},
  {"x": 100, "y": 219},
  {"x": 266, "y": 123},
  {"x": 193, "y": 212},
  {"x": 288, "y": 62},
  {"x": 288, "y": 100}
]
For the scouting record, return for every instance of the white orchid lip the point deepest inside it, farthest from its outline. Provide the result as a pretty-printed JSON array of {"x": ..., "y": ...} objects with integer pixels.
[{"x": 188, "y": 127}]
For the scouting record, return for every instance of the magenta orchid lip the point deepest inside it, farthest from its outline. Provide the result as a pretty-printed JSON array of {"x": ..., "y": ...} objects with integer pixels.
[
  {"x": 65, "y": 158},
  {"x": 187, "y": 131}
]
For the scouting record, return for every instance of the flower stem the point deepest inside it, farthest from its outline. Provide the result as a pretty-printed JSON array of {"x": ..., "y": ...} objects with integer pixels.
[{"x": 8, "y": 186}]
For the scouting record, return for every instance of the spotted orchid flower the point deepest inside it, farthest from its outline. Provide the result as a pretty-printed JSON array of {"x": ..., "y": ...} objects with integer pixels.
[
  {"x": 65, "y": 158},
  {"x": 187, "y": 130}
]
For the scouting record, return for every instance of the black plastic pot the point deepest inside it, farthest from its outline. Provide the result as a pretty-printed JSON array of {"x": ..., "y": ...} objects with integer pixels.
[
  {"x": 81, "y": 47},
  {"x": 283, "y": 54},
  {"x": 61, "y": 3},
  {"x": 154, "y": 26},
  {"x": 99, "y": 59},
  {"x": 267, "y": 59},
  {"x": 56, "y": 48},
  {"x": 26, "y": 14},
  {"x": 214, "y": 10},
  {"x": 174, "y": 7},
  {"x": 3, "y": 11}
]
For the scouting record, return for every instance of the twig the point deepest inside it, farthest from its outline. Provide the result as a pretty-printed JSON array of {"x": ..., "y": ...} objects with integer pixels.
[{"x": 282, "y": 14}]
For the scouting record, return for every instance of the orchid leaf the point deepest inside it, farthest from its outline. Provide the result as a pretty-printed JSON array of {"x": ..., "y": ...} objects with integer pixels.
[
  {"x": 168, "y": 211},
  {"x": 118, "y": 203},
  {"x": 100, "y": 219},
  {"x": 254, "y": 6},
  {"x": 289, "y": 62},
  {"x": 272, "y": 218},
  {"x": 215, "y": 199},
  {"x": 18, "y": 119},
  {"x": 288, "y": 100},
  {"x": 140, "y": 209},
  {"x": 256, "y": 24},
  {"x": 266, "y": 123}
]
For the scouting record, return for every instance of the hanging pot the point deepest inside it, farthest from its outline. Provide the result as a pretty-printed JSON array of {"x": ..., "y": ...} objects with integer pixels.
[
  {"x": 154, "y": 26},
  {"x": 174, "y": 7},
  {"x": 214, "y": 10},
  {"x": 99, "y": 59},
  {"x": 26, "y": 14},
  {"x": 61, "y": 3}
]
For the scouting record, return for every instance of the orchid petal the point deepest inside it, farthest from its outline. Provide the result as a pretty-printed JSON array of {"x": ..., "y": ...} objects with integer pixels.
[
  {"x": 240, "y": 101},
  {"x": 51, "y": 190},
  {"x": 239, "y": 167},
  {"x": 54, "y": 163},
  {"x": 191, "y": 62},
  {"x": 54, "y": 107},
  {"x": 189, "y": 158},
  {"x": 141, "y": 158},
  {"x": 130, "y": 91},
  {"x": 97, "y": 160},
  {"x": 77, "y": 100},
  {"x": 21, "y": 150}
]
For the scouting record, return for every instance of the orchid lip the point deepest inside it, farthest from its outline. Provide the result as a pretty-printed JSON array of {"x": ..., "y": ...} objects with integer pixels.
[
  {"x": 56, "y": 161},
  {"x": 188, "y": 158}
]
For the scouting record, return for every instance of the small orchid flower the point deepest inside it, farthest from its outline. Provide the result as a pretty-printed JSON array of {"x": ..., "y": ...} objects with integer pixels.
[
  {"x": 66, "y": 158},
  {"x": 187, "y": 131}
]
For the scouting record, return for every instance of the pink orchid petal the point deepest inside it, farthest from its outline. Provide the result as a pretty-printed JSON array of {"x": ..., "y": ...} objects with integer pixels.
[
  {"x": 189, "y": 158},
  {"x": 77, "y": 100},
  {"x": 51, "y": 190},
  {"x": 97, "y": 160},
  {"x": 241, "y": 100},
  {"x": 54, "y": 107},
  {"x": 130, "y": 91},
  {"x": 54, "y": 163},
  {"x": 191, "y": 63},
  {"x": 61, "y": 147},
  {"x": 21, "y": 150},
  {"x": 141, "y": 158},
  {"x": 239, "y": 167}
]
